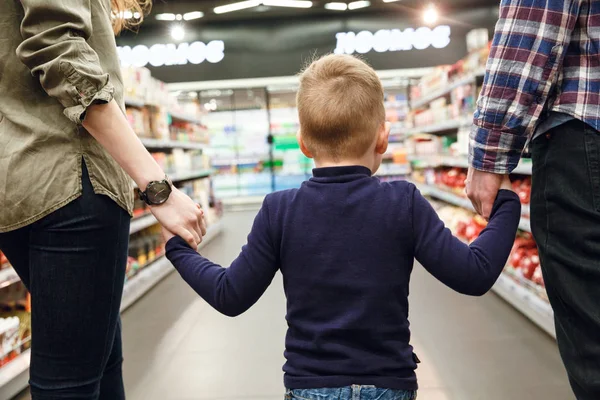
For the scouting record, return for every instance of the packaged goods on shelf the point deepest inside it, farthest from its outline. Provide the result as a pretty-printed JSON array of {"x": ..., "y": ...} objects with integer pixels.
[
  {"x": 15, "y": 334},
  {"x": 144, "y": 247},
  {"x": 14, "y": 298},
  {"x": 523, "y": 188}
]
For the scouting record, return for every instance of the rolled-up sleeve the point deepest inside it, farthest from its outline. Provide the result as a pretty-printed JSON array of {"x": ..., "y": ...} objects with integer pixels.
[{"x": 55, "y": 49}]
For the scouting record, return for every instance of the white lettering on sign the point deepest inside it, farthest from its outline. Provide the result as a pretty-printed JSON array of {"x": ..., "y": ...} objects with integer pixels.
[
  {"x": 392, "y": 40},
  {"x": 160, "y": 55}
]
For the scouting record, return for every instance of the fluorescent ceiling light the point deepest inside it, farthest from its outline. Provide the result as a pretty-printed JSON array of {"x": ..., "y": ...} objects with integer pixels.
[
  {"x": 177, "y": 32},
  {"x": 430, "y": 15},
  {"x": 165, "y": 17},
  {"x": 355, "y": 5},
  {"x": 193, "y": 15},
  {"x": 288, "y": 3},
  {"x": 338, "y": 6},
  {"x": 241, "y": 5}
]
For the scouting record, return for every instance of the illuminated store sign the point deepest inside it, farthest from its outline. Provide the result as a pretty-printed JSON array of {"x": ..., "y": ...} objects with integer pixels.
[
  {"x": 392, "y": 40},
  {"x": 169, "y": 54}
]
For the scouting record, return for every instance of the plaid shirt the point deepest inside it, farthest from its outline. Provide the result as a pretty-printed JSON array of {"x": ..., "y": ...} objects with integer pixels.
[{"x": 544, "y": 57}]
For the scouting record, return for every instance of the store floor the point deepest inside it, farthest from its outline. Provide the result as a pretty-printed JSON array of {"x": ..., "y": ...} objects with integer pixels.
[{"x": 178, "y": 348}]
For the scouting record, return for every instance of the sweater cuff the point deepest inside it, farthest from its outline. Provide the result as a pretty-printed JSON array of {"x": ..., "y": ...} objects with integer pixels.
[
  {"x": 176, "y": 243},
  {"x": 506, "y": 196}
]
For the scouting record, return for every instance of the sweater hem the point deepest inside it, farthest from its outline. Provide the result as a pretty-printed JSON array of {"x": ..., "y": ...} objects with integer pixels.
[{"x": 318, "y": 382}]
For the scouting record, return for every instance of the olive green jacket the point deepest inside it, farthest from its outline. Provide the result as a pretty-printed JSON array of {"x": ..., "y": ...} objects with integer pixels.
[{"x": 56, "y": 58}]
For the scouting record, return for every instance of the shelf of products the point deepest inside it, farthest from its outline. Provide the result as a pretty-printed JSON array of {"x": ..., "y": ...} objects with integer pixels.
[
  {"x": 8, "y": 276},
  {"x": 141, "y": 223},
  {"x": 521, "y": 283},
  {"x": 438, "y": 127},
  {"x": 14, "y": 376},
  {"x": 434, "y": 161},
  {"x": 156, "y": 271},
  {"x": 171, "y": 144},
  {"x": 446, "y": 90},
  {"x": 463, "y": 202}
]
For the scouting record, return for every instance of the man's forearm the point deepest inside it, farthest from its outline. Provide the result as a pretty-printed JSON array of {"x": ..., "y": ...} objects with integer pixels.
[{"x": 527, "y": 53}]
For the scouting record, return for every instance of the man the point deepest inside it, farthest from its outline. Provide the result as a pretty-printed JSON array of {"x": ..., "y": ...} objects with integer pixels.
[{"x": 542, "y": 88}]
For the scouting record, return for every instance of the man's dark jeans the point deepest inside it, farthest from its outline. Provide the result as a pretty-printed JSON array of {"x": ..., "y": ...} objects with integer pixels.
[
  {"x": 73, "y": 263},
  {"x": 565, "y": 218}
]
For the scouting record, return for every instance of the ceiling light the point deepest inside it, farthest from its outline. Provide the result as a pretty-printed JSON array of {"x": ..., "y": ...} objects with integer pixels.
[
  {"x": 193, "y": 15},
  {"x": 336, "y": 6},
  {"x": 288, "y": 3},
  {"x": 241, "y": 5},
  {"x": 178, "y": 17},
  {"x": 355, "y": 5},
  {"x": 136, "y": 15},
  {"x": 178, "y": 32},
  {"x": 430, "y": 15},
  {"x": 165, "y": 17}
]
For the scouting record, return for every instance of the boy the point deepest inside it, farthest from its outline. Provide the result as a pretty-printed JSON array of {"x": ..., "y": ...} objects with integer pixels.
[{"x": 345, "y": 244}]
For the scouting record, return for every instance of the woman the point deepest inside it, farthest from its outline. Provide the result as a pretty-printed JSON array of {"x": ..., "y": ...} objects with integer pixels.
[{"x": 65, "y": 198}]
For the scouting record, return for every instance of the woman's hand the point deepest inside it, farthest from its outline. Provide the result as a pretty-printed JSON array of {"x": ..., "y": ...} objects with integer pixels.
[{"x": 182, "y": 217}]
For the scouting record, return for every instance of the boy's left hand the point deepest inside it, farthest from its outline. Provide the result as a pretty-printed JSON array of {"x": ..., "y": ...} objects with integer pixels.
[{"x": 167, "y": 235}]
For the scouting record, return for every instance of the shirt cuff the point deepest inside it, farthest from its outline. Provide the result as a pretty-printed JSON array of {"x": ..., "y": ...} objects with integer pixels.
[
  {"x": 89, "y": 89},
  {"x": 494, "y": 151},
  {"x": 77, "y": 112}
]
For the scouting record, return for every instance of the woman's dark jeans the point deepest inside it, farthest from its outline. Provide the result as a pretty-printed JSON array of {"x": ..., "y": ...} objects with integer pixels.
[
  {"x": 565, "y": 219},
  {"x": 73, "y": 263}
]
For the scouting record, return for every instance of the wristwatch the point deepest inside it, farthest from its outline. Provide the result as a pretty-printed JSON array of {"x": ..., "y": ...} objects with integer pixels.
[{"x": 157, "y": 192}]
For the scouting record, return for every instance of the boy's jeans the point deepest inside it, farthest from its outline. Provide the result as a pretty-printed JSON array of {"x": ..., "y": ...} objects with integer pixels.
[{"x": 354, "y": 392}]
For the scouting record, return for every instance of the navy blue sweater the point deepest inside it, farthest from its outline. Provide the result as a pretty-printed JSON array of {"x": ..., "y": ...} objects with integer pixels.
[{"x": 345, "y": 244}]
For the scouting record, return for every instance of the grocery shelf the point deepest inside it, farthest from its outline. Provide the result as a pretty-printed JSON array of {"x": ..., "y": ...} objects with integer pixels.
[
  {"x": 527, "y": 302},
  {"x": 148, "y": 277},
  {"x": 449, "y": 197},
  {"x": 141, "y": 223},
  {"x": 438, "y": 127},
  {"x": 445, "y": 195},
  {"x": 131, "y": 102},
  {"x": 187, "y": 175},
  {"x": 446, "y": 90},
  {"x": 432, "y": 161},
  {"x": 184, "y": 117},
  {"x": 14, "y": 376},
  {"x": 8, "y": 276},
  {"x": 171, "y": 144}
]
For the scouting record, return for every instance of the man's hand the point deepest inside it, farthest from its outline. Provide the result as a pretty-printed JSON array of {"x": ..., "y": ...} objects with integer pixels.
[{"x": 482, "y": 188}]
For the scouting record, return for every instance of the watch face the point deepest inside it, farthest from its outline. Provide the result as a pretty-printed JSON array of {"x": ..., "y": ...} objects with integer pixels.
[{"x": 158, "y": 192}]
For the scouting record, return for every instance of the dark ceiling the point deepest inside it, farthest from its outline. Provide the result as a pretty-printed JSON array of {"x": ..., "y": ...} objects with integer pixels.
[{"x": 402, "y": 8}]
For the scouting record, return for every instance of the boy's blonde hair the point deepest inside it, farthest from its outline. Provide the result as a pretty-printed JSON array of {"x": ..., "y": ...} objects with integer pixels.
[{"x": 340, "y": 104}]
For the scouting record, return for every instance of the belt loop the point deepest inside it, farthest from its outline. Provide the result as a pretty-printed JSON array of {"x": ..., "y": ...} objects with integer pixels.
[{"x": 355, "y": 392}]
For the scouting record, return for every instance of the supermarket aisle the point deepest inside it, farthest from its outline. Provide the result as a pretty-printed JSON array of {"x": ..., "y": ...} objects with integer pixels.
[{"x": 176, "y": 347}]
